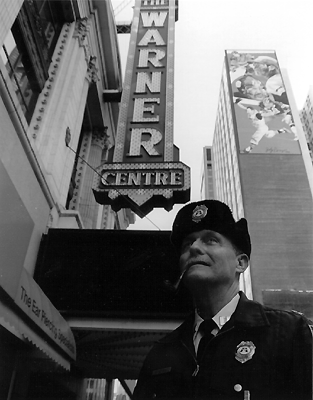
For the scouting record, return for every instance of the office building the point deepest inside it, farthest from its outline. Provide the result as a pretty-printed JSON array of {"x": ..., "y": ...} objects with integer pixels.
[{"x": 259, "y": 162}]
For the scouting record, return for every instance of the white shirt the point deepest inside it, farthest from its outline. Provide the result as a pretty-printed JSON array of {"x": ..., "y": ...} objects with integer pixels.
[{"x": 220, "y": 319}]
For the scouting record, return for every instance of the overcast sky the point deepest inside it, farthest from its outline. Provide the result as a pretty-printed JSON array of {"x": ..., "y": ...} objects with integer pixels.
[{"x": 204, "y": 30}]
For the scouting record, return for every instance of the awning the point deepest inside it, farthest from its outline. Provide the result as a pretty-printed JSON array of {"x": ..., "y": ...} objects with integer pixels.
[
  {"x": 52, "y": 334},
  {"x": 111, "y": 274},
  {"x": 113, "y": 287}
]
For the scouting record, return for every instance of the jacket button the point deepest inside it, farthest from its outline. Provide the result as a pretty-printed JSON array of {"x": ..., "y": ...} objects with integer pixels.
[{"x": 238, "y": 387}]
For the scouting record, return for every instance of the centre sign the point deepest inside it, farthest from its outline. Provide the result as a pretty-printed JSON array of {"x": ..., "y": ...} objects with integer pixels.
[{"x": 143, "y": 170}]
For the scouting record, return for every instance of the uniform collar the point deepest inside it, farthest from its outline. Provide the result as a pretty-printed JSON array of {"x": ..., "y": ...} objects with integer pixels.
[
  {"x": 222, "y": 316},
  {"x": 248, "y": 314}
]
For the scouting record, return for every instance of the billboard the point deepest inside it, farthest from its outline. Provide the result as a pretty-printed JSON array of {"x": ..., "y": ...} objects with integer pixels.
[
  {"x": 262, "y": 111},
  {"x": 144, "y": 171}
]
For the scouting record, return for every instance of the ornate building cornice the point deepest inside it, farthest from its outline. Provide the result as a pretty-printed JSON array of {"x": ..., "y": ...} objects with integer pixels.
[
  {"x": 92, "y": 70},
  {"x": 39, "y": 113},
  {"x": 81, "y": 30},
  {"x": 100, "y": 137}
]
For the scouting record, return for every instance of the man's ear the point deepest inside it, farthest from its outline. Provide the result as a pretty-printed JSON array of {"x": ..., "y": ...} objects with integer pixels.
[{"x": 243, "y": 263}]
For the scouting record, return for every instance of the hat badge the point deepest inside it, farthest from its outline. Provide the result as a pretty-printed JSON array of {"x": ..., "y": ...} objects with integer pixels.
[
  {"x": 199, "y": 213},
  {"x": 245, "y": 351}
]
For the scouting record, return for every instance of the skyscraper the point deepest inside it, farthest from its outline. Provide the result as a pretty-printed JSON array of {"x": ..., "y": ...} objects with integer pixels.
[{"x": 259, "y": 170}]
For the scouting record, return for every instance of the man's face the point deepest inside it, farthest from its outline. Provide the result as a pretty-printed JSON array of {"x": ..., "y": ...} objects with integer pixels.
[{"x": 208, "y": 255}]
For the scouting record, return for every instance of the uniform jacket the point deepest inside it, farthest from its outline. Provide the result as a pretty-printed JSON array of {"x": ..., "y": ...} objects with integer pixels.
[{"x": 260, "y": 350}]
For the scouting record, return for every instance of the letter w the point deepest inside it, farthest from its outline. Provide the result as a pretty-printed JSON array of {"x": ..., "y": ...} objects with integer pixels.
[{"x": 158, "y": 18}]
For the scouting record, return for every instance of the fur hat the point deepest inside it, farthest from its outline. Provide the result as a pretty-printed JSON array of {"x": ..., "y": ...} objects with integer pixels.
[{"x": 213, "y": 215}]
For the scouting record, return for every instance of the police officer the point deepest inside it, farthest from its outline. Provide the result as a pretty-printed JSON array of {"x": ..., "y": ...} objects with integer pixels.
[{"x": 230, "y": 347}]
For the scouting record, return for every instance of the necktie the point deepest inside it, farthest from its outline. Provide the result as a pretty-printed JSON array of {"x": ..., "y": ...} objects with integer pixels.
[{"x": 206, "y": 329}]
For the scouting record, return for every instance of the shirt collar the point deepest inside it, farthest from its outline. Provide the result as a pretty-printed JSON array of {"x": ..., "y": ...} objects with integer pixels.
[{"x": 222, "y": 316}]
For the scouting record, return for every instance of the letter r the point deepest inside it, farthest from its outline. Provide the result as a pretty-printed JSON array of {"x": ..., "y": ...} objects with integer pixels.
[{"x": 136, "y": 142}]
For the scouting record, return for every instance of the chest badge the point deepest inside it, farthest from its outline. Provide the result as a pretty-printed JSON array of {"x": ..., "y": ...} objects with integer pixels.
[
  {"x": 199, "y": 213},
  {"x": 245, "y": 351}
]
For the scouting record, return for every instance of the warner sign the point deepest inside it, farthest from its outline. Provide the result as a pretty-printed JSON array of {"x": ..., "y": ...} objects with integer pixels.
[{"x": 143, "y": 170}]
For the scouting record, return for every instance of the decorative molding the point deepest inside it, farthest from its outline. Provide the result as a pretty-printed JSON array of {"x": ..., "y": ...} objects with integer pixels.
[
  {"x": 92, "y": 70},
  {"x": 87, "y": 52},
  {"x": 81, "y": 30},
  {"x": 100, "y": 137},
  {"x": 97, "y": 137},
  {"x": 43, "y": 99},
  {"x": 81, "y": 166}
]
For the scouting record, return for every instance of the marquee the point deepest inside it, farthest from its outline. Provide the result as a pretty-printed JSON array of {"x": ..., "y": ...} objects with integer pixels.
[{"x": 144, "y": 170}]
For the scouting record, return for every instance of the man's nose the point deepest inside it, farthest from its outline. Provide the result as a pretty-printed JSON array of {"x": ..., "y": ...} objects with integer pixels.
[{"x": 197, "y": 246}]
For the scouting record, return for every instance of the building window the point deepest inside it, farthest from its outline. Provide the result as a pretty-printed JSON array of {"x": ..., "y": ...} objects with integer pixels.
[
  {"x": 47, "y": 15},
  {"x": 208, "y": 154},
  {"x": 21, "y": 74},
  {"x": 28, "y": 48}
]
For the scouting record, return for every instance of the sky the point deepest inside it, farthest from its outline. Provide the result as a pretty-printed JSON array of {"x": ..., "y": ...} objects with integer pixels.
[{"x": 204, "y": 30}]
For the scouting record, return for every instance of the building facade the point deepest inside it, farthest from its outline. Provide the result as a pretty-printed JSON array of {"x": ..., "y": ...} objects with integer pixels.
[
  {"x": 60, "y": 86},
  {"x": 306, "y": 116},
  {"x": 259, "y": 169}
]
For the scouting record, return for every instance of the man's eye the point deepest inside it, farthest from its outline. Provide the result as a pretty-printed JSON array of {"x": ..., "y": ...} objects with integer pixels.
[{"x": 210, "y": 239}]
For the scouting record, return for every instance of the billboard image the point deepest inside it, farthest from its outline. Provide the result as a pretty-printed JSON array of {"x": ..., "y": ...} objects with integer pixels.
[{"x": 262, "y": 111}]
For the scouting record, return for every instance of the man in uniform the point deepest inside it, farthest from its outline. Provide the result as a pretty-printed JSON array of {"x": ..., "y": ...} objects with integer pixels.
[{"x": 230, "y": 347}]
